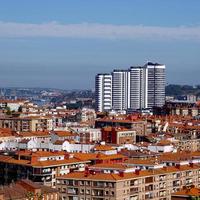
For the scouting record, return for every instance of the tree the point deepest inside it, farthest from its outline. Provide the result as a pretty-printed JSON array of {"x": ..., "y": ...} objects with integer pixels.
[
  {"x": 8, "y": 111},
  {"x": 32, "y": 196},
  {"x": 20, "y": 109}
]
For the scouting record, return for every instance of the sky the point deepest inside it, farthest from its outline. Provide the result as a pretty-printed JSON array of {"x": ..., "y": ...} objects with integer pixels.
[{"x": 65, "y": 43}]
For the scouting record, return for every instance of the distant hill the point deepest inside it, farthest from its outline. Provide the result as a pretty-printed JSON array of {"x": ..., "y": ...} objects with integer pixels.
[{"x": 176, "y": 90}]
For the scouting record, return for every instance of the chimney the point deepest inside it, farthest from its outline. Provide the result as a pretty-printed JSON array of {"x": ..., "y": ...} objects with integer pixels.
[
  {"x": 178, "y": 166},
  {"x": 165, "y": 168},
  {"x": 137, "y": 171},
  {"x": 86, "y": 174},
  {"x": 92, "y": 172},
  {"x": 121, "y": 174},
  {"x": 86, "y": 169},
  {"x": 191, "y": 164}
]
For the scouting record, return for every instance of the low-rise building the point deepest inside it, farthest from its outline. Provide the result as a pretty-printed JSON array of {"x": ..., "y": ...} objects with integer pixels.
[
  {"x": 63, "y": 135},
  {"x": 162, "y": 146}
]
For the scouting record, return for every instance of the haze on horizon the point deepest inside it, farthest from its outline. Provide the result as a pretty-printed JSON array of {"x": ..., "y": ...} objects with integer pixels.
[{"x": 63, "y": 44}]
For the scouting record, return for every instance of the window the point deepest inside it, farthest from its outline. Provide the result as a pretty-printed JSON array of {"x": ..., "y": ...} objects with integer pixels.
[
  {"x": 87, "y": 191},
  {"x": 82, "y": 191},
  {"x": 81, "y": 182},
  {"x": 87, "y": 182}
]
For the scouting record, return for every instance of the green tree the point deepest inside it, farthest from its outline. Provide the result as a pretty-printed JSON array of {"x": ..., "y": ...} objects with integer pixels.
[
  {"x": 30, "y": 195},
  {"x": 8, "y": 111}
]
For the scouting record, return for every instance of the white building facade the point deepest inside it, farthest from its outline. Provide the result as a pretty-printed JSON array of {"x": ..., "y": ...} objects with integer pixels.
[
  {"x": 156, "y": 84},
  {"x": 136, "y": 88},
  {"x": 120, "y": 89},
  {"x": 103, "y": 92}
]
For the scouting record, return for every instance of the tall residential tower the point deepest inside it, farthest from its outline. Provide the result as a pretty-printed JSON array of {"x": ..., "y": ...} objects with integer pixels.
[
  {"x": 135, "y": 88},
  {"x": 120, "y": 89},
  {"x": 156, "y": 84},
  {"x": 138, "y": 88},
  {"x": 103, "y": 92}
]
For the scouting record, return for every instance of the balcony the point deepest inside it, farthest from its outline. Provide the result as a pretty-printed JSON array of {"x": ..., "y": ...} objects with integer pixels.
[
  {"x": 149, "y": 196},
  {"x": 134, "y": 182},
  {"x": 134, "y": 190},
  {"x": 99, "y": 184},
  {"x": 176, "y": 183},
  {"x": 162, "y": 185},
  {"x": 162, "y": 194},
  {"x": 149, "y": 180},
  {"x": 188, "y": 181},
  {"x": 162, "y": 178},
  {"x": 72, "y": 191},
  {"x": 149, "y": 188},
  {"x": 98, "y": 193}
]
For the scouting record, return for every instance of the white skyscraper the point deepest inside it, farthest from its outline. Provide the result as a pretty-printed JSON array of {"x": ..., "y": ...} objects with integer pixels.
[
  {"x": 120, "y": 89},
  {"x": 156, "y": 84},
  {"x": 103, "y": 92},
  {"x": 138, "y": 87}
]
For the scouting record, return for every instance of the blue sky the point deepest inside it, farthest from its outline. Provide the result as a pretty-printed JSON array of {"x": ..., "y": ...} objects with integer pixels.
[{"x": 64, "y": 43}]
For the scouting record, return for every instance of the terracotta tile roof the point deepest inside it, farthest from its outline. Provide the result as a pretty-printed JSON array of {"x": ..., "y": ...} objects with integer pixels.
[
  {"x": 40, "y": 153},
  {"x": 56, "y": 162},
  {"x": 142, "y": 162},
  {"x": 124, "y": 176},
  {"x": 110, "y": 166},
  {"x": 179, "y": 156},
  {"x": 64, "y": 133},
  {"x": 66, "y": 161},
  {"x": 85, "y": 156},
  {"x": 99, "y": 156},
  {"x": 9, "y": 159},
  {"x": 24, "y": 141},
  {"x": 20, "y": 189},
  {"x": 6, "y": 132},
  {"x": 13, "y": 191},
  {"x": 35, "y": 133},
  {"x": 58, "y": 142},
  {"x": 163, "y": 143},
  {"x": 188, "y": 192},
  {"x": 103, "y": 148}
]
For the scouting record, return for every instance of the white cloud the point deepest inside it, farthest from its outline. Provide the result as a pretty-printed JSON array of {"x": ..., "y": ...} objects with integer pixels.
[{"x": 92, "y": 30}]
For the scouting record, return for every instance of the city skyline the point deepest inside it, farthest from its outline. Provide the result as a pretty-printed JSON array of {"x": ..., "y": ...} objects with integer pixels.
[
  {"x": 136, "y": 88},
  {"x": 63, "y": 45}
]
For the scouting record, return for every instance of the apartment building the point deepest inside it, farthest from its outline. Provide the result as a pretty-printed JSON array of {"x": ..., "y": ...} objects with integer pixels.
[
  {"x": 156, "y": 84},
  {"x": 157, "y": 184},
  {"x": 41, "y": 167},
  {"x": 139, "y": 126},
  {"x": 132, "y": 89},
  {"x": 138, "y": 87},
  {"x": 182, "y": 108},
  {"x": 120, "y": 89},
  {"x": 27, "y": 124},
  {"x": 87, "y": 134},
  {"x": 103, "y": 92},
  {"x": 114, "y": 135},
  {"x": 12, "y": 104}
]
